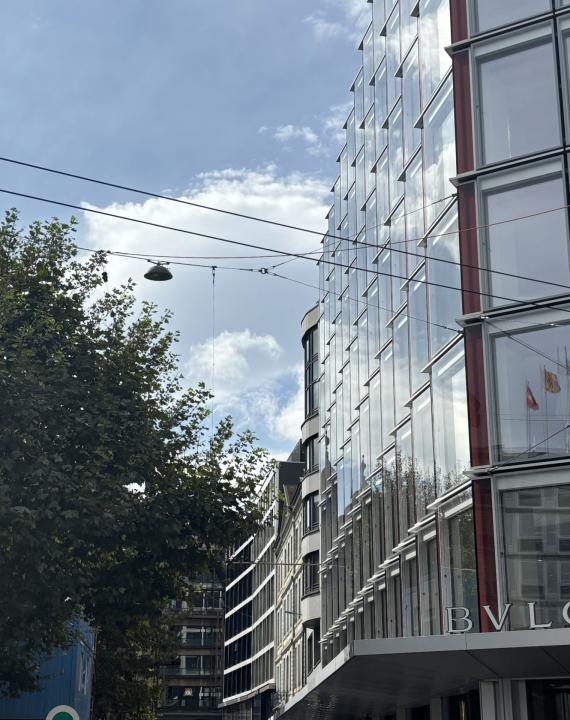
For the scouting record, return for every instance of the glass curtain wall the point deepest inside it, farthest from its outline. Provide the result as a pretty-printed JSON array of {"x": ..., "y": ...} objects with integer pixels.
[{"x": 392, "y": 361}]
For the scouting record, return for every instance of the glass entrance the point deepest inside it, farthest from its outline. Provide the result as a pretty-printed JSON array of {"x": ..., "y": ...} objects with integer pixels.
[{"x": 465, "y": 707}]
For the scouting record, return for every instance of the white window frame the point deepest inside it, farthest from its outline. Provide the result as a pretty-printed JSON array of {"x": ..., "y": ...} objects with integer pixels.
[
  {"x": 518, "y": 324},
  {"x": 509, "y": 178},
  {"x": 505, "y": 44}
]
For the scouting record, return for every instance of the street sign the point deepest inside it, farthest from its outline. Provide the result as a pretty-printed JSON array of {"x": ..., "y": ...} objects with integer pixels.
[{"x": 62, "y": 712}]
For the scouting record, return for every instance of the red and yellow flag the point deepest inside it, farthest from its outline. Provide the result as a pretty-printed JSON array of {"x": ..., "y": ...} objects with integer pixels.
[
  {"x": 551, "y": 384},
  {"x": 530, "y": 399}
]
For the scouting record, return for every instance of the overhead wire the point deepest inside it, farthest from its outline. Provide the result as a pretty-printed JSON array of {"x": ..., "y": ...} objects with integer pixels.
[{"x": 284, "y": 253}]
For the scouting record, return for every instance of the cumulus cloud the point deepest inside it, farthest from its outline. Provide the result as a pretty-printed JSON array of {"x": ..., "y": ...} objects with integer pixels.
[
  {"x": 340, "y": 18},
  {"x": 253, "y": 382},
  {"x": 257, "y": 316},
  {"x": 285, "y": 133}
]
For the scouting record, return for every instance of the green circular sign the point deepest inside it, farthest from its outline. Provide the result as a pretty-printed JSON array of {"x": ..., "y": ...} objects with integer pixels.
[{"x": 62, "y": 712}]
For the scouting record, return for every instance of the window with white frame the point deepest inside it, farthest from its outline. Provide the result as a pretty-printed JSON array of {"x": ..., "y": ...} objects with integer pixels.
[
  {"x": 510, "y": 245},
  {"x": 535, "y": 547},
  {"x": 489, "y": 14},
  {"x": 517, "y": 105},
  {"x": 531, "y": 386}
]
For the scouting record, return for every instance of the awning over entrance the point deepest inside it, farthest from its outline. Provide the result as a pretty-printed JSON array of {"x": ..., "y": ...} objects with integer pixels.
[{"x": 374, "y": 676}]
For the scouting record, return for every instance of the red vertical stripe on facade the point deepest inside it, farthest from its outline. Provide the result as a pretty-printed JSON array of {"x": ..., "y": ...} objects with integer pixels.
[
  {"x": 459, "y": 22},
  {"x": 468, "y": 248},
  {"x": 476, "y": 396},
  {"x": 463, "y": 116},
  {"x": 485, "y": 544}
]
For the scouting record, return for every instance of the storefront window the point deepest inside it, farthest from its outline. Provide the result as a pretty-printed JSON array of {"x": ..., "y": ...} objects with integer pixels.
[
  {"x": 450, "y": 419},
  {"x": 410, "y": 594},
  {"x": 435, "y": 36},
  {"x": 429, "y": 584},
  {"x": 532, "y": 385},
  {"x": 518, "y": 97},
  {"x": 439, "y": 153},
  {"x": 459, "y": 570},
  {"x": 511, "y": 245},
  {"x": 536, "y": 550}
]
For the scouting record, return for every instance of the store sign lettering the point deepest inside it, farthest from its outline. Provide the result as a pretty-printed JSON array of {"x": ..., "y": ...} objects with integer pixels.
[{"x": 459, "y": 618}]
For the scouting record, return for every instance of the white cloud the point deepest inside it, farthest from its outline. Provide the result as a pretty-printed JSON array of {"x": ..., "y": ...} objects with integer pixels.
[
  {"x": 257, "y": 316},
  {"x": 284, "y": 133},
  {"x": 252, "y": 382},
  {"x": 340, "y": 18},
  {"x": 323, "y": 28}
]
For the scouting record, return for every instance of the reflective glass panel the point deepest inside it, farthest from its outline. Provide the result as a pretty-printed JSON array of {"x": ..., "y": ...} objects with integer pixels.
[
  {"x": 417, "y": 308},
  {"x": 518, "y": 103},
  {"x": 435, "y": 36},
  {"x": 423, "y": 452},
  {"x": 533, "y": 393},
  {"x": 450, "y": 419},
  {"x": 439, "y": 153},
  {"x": 393, "y": 57},
  {"x": 536, "y": 549},
  {"x": 512, "y": 247},
  {"x": 401, "y": 367},
  {"x": 387, "y": 380},
  {"x": 490, "y": 13}
]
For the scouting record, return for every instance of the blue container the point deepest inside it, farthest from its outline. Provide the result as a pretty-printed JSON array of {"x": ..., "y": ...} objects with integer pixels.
[{"x": 69, "y": 681}]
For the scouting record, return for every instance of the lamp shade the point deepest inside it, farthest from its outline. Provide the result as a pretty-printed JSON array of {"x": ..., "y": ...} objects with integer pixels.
[{"x": 158, "y": 273}]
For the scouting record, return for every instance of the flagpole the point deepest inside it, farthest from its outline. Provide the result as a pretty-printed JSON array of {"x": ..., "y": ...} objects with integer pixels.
[
  {"x": 527, "y": 416},
  {"x": 567, "y": 396},
  {"x": 545, "y": 403}
]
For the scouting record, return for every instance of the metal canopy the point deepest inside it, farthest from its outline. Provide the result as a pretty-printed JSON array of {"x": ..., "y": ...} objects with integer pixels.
[{"x": 373, "y": 676}]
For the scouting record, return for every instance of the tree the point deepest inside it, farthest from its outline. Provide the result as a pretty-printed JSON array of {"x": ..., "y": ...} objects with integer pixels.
[{"x": 111, "y": 489}]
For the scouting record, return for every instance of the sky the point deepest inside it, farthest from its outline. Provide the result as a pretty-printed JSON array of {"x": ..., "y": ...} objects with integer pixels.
[{"x": 237, "y": 104}]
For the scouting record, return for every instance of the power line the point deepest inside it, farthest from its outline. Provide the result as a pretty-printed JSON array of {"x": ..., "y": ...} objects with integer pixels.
[
  {"x": 190, "y": 203},
  {"x": 264, "y": 248},
  {"x": 300, "y": 228},
  {"x": 365, "y": 302}
]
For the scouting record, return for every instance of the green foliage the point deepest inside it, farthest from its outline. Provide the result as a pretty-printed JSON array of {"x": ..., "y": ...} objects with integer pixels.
[{"x": 111, "y": 489}]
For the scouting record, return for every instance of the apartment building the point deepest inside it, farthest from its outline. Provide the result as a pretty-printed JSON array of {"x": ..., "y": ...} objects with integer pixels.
[
  {"x": 193, "y": 681},
  {"x": 444, "y": 327},
  {"x": 249, "y": 661},
  {"x": 297, "y": 551}
]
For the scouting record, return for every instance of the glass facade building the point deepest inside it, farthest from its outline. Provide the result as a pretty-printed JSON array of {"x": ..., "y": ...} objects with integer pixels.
[{"x": 444, "y": 372}]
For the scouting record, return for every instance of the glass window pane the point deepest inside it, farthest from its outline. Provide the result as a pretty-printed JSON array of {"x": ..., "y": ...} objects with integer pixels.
[
  {"x": 401, "y": 367},
  {"x": 414, "y": 200},
  {"x": 439, "y": 153},
  {"x": 450, "y": 419},
  {"x": 518, "y": 104},
  {"x": 395, "y": 151},
  {"x": 417, "y": 309},
  {"x": 411, "y": 100},
  {"x": 404, "y": 471},
  {"x": 536, "y": 547},
  {"x": 375, "y": 422},
  {"x": 512, "y": 247},
  {"x": 409, "y": 24},
  {"x": 533, "y": 391},
  {"x": 387, "y": 380},
  {"x": 410, "y": 597},
  {"x": 435, "y": 36},
  {"x": 459, "y": 569},
  {"x": 423, "y": 453},
  {"x": 380, "y": 107},
  {"x": 429, "y": 586},
  {"x": 444, "y": 303},
  {"x": 490, "y": 13},
  {"x": 393, "y": 57}
]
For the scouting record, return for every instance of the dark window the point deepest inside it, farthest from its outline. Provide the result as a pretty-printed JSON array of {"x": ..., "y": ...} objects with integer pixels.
[
  {"x": 312, "y": 455},
  {"x": 311, "y": 513},
  {"x": 311, "y": 348},
  {"x": 311, "y": 573}
]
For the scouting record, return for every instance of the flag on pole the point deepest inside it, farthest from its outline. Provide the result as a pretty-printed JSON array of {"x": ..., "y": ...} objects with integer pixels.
[
  {"x": 530, "y": 399},
  {"x": 551, "y": 384}
]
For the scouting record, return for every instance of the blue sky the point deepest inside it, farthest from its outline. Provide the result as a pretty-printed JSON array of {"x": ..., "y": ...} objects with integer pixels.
[{"x": 235, "y": 103}]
